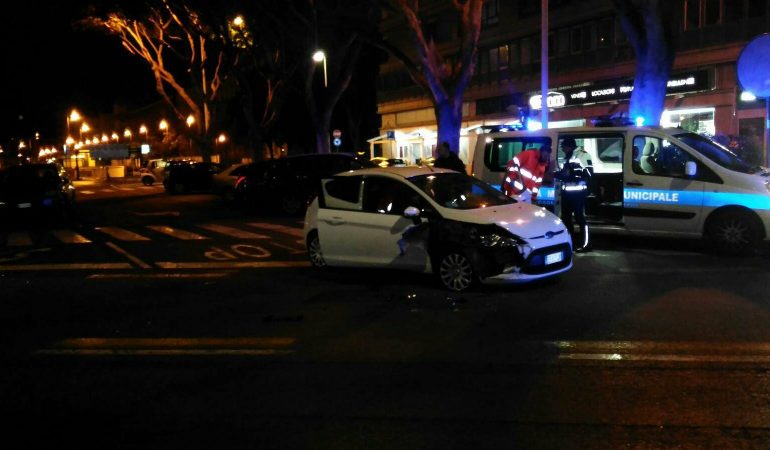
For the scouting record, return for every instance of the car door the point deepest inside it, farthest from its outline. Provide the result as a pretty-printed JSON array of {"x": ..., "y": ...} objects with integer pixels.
[
  {"x": 658, "y": 198},
  {"x": 364, "y": 230}
]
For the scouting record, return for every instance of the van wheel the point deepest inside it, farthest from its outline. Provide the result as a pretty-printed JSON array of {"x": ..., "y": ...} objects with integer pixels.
[
  {"x": 456, "y": 271},
  {"x": 733, "y": 232},
  {"x": 314, "y": 250},
  {"x": 147, "y": 181}
]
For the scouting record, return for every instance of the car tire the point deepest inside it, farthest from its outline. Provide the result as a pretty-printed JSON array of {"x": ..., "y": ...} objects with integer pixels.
[
  {"x": 147, "y": 181},
  {"x": 314, "y": 252},
  {"x": 733, "y": 232},
  {"x": 455, "y": 271}
]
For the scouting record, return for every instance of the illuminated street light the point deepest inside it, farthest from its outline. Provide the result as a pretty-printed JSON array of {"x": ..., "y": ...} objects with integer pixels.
[
  {"x": 222, "y": 138},
  {"x": 143, "y": 130},
  {"x": 114, "y": 136},
  {"x": 320, "y": 56},
  {"x": 190, "y": 120},
  {"x": 84, "y": 129},
  {"x": 163, "y": 126},
  {"x": 238, "y": 22},
  {"x": 127, "y": 133}
]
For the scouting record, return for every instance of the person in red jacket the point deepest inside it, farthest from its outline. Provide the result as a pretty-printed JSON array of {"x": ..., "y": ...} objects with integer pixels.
[{"x": 524, "y": 173}]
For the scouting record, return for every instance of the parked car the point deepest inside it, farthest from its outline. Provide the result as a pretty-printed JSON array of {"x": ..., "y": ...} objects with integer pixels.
[
  {"x": 187, "y": 176},
  {"x": 433, "y": 220},
  {"x": 388, "y": 162},
  {"x": 224, "y": 181},
  {"x": 147, "y": 177},
  {"x": 36, "y": 191},
  {"x": 289, "y": 184}
]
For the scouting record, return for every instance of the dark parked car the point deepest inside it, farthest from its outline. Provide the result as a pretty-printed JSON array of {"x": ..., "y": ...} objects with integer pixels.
[
  {"x": 40, "y": 191},
  {"x": 188, "y": 176},
  {"x": 289, "y": 184}
]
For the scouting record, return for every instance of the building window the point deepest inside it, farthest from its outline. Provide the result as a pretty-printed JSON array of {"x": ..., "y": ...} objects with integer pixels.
[
  {"x": 526, "y": 52},
  {"x": 712, "y": 12},
  {"x": 576, "y": 40},
  {"x": 490, "y": 12},
  {"x": 590, "y": 37},
  {"x": 606, "y": 33},
  {"x": 562, "y": 42},
  {"x": 513, "y": 54},
  {"x": 502, "y": 58},
  {"x": 691, "y": 14}
]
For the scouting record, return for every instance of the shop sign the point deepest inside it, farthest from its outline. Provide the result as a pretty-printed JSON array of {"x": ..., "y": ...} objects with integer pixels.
[{"x": 700, "y": 80}]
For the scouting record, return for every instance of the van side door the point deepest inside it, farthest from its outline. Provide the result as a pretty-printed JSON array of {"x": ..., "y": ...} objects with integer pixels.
[{"x": 658, "y": 197}]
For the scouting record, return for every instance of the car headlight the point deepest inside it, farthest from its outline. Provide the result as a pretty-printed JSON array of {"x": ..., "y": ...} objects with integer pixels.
[{"x": 499, "y": 241}]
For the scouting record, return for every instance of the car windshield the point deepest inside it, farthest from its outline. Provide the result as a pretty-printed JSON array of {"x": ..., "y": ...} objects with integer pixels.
[
  {"x": 717, "y": 153},
  {"x": 459, "y": 191}
]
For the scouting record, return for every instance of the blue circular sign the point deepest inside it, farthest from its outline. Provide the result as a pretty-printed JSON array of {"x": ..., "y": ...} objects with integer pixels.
[
  {"x": 754, "y": 66},
  {"x": 337, "y": 142}
]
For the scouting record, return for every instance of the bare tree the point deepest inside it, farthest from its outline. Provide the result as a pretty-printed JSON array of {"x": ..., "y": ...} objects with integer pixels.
[
  {"x": 443, "y": 77},
  {"x": 336, "y": 27},
  {"x": 650, "y": 37},
  {"x": 266, "y": 62},
  {"x": 185, "y": 57}
]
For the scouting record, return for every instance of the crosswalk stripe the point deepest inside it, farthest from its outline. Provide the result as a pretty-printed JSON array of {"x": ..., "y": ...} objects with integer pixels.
[
  {"x": 292, "y": 231},
  {"x": 179, "y": 234},
  {"x": 122, "y": 234},
  {"x": 19, "y": 239},
  {"x": 234, "y": 232},
  {"x": 70, "y": 237}
]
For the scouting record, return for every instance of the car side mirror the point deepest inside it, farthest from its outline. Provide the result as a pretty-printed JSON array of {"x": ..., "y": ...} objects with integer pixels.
[
  {"x": 690, "y": 168},
  {"x": 412, "y": 212}
]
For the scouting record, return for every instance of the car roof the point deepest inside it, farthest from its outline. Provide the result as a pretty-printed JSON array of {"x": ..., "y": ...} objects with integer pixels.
[{"x": 403, "y": 172}]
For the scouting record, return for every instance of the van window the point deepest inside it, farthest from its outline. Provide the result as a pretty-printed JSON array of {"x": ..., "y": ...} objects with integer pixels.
[
  {"x": 717, "y": 153},
  {"x": 605, "y": 151},
  {"x": 501, "y": 150},
  {"x": 659, "y": 157}
]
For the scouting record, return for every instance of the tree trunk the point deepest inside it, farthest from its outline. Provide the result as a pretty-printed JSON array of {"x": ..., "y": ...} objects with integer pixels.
[
  {"x": 649, "y": 96},
  {"x": 449, "y": 115},
  {"x": 322, "y": 125}
]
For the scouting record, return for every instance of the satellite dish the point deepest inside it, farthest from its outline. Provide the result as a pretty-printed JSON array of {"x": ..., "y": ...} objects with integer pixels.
[{"x": 754, "y": 66}]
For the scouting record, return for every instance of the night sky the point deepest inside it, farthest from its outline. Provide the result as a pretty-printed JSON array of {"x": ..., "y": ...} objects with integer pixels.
[{"x": 51, "y": 65}]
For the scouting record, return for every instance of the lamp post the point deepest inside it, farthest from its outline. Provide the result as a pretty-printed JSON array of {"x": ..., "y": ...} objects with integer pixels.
[
  {"x": 320, "y": 56},
  {"x": 127, "y": 134},
  {"x": 143, "y": 130}
]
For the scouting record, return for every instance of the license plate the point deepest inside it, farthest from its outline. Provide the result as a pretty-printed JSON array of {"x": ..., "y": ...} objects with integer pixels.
[
  {"x": 25, "y": 205},
  {"x": 554, "y": 258}
]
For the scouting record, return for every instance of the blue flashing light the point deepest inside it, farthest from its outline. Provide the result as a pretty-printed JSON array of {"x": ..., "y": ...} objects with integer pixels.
[
  {"x": 533, "y": 125},
  {"x": 639, "y": 121}
]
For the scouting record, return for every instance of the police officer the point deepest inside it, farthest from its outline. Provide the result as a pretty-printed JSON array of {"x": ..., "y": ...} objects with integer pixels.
[{"x": 575, "y": 175}]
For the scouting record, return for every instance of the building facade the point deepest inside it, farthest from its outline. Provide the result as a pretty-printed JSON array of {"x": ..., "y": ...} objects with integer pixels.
[{"x": 591, "y": 71}]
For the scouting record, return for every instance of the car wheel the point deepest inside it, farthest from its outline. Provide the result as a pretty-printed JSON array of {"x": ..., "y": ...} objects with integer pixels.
[
  {"x": 456, "y": 271},
  {"x": 733, "y": 232},
  {"x": 147, "y": 181},
  {"x": 291, "y": 204},
  {"x": 314, "y": 250}
]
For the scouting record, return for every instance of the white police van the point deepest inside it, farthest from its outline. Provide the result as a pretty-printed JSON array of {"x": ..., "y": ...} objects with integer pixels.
[{"x": 650, "y": 181}]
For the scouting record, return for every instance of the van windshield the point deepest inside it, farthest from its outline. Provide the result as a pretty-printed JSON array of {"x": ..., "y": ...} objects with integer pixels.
[{"x": 717, "y": 153}]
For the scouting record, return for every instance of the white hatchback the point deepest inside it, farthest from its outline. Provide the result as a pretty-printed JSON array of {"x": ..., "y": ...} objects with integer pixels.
[{"x": 433, "y": 220}]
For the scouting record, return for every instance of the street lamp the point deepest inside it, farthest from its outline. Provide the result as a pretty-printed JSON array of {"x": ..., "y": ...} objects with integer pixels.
[
  {"x": 190, "y": 121},
  {"x": 73, "y": 116},
  {"x": 143, "y": 130},
  {"x": 320, "y": 56},
  {"x": 127, "y": 133},
  {"x": 163, "y": 126}
]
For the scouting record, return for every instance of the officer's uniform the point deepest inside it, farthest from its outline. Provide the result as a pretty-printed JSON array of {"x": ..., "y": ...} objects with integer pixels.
[{"x": 575, "y": 175}]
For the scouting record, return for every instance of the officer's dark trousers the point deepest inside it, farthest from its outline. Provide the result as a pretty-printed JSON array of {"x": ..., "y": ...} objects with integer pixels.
[{"x": 573, "y": 203}]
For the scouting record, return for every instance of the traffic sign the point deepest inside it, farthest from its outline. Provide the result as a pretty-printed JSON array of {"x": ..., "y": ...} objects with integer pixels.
[
  {"x": 337, "y": 142},
  {"x": 337, "y": 133}
]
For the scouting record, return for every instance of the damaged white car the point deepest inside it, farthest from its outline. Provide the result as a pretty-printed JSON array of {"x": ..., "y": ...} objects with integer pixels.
[{"x": 434, "y": 221}]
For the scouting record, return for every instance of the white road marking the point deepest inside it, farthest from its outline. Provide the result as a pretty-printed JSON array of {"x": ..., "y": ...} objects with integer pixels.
[
  {"x": 176, "y": 233},
  {"x": 233, "y": 232},
  {"x": 121, "y": 276},
  {"x": 213, "y": 265},
  {"x": 66, "y": 266},
  {"x": 130, "y": 257},
  {"x": 122, "y": 234},
  {"x": 292, "y": 231},
  {"x": 243, "y": 346},
  {"x": 19, "y": 239},
  {"x": 70, "y": 237}
]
